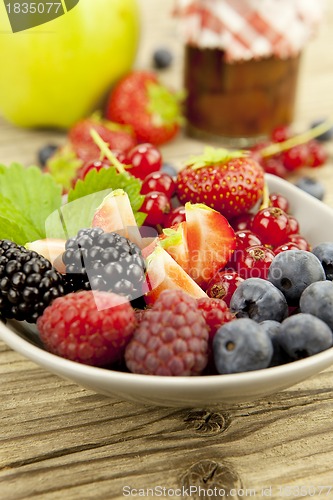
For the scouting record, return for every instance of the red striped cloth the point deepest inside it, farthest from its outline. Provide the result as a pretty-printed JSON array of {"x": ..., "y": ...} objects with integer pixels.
[{"x": 247, "y": 29}]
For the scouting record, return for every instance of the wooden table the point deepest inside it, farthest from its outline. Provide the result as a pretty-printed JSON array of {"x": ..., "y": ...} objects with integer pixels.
[{"x": 58, "y": 440}]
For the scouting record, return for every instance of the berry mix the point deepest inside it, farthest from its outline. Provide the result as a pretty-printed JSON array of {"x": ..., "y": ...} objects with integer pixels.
[{"x": 226, "y": 284}]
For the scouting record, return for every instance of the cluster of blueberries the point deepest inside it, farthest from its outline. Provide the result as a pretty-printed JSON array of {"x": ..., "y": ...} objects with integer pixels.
[{"x": 287, "y": 317}]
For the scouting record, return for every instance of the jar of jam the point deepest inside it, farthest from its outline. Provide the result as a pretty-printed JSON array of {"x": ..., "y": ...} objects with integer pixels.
[{"x": 241, "y": 64}]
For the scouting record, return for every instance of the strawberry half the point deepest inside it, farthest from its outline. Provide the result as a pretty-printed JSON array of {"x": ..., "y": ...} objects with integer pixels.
[
  {"x": 141, "y": 101},
  {"x": 228, "y": 181},
  {"x": 201, "y": 245},
  {"x": 210, "y": 241},
  {"x": 118, "y": 137},
  {"x": 163, "y": 273}
]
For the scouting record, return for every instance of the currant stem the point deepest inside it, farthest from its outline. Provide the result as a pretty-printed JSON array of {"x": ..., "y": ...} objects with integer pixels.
[
  {"x": 297, "y": 139},
  {"x": 104, "y": 148}
]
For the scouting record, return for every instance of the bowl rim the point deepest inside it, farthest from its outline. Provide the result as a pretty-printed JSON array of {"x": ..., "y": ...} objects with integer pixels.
[{"x": 68, "y": 367}]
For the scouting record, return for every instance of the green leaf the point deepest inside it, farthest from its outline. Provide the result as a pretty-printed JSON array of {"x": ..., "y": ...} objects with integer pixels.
[
  {"x": 214, "y": 156},
  {"x": 27, "y": 198},
  {"x": 164, "y": 105},
  {"x": 87, "y": 195},
  {"x": 73, "y": 216},
  {"x": 9, "y": 230},
  {"x": 63, "y": 166},
  {"x": 109, "y": 178}
]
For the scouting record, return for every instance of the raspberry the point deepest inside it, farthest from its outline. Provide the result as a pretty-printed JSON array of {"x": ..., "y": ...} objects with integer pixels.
[
  {"x": 172, "y": 338},
  {"x": 215, "y": 312},
  {"x": 104, "y": 261},
  {"x": 28, "y": 282},
  {"x": 88, "y": 327}
]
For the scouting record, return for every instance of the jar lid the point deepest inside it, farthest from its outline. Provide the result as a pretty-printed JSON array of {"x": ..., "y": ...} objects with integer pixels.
[{"x": 250, "y": 29}]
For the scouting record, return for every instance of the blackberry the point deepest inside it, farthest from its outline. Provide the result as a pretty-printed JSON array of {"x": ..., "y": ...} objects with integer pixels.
[
  {"x": 28, "y": 283},
  {"x": 96, "y": 260}
]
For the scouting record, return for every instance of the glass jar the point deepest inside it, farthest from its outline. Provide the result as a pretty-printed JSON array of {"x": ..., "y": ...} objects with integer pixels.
[{"x": 241, "y": 65}]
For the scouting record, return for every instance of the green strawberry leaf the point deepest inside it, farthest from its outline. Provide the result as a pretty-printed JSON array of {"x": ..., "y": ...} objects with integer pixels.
[
  {"x": 214, "y": 156},
  {"x": 100, "y": 181},
  {"x": 74, "y": 215},
  {"x": 164, "y": 105},
  {"x": 63, "y": 166},
  {"x": 27, "y": 198},
  {"x": 174, "y": 237},
  {"x": 9, "y": 230}
]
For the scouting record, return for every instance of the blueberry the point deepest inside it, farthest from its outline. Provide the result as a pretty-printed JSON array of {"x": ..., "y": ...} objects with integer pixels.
[
  {"x": 259, "y": 300},
  {"x": 272, "y": 329},
  {"x": 324, "y": 252},
  {"x": 326, "y": 136},
  {"x": 241, "y": 346},
  {"x": 162, "y": 58},
  {"x": 169, "y": 169},
  {"x": 303, "y": 335},
  {"x": 294, "y": 270},
  {"x": 317, "y": 299},
  {"x": 45, "y": 153},
  {"x": 311, "y": 186}
]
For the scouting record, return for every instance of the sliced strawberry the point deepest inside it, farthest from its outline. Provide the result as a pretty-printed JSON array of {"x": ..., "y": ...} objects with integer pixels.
[
  {"x": 115, "y": 214},
  {"x": 141, "y": 101},
  {"x": 163, "y": 273},
  {"x": 211, "y": 242},
  {"x": 228, "y": 181},
  {"x": 118, "y": 137},
  {"x": 174, "y": 241}
]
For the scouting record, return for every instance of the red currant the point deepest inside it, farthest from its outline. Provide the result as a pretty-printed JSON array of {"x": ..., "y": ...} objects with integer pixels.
[
  {"x": 176, "y": 216},
  {"x": 271, "y": 225},
  {"x": 273, "y": 165},
  {"x": 155, "y": 205},
  {"x": 316, "y": 154},
  {"x": 279, "y": 201},
  {"x": 245, "y": 239},
  {"x": 121, "y": 156},
  {"x": 144, "y": 159},
  {"x": 91, "y": 165},
  {"x": 223, "y": 285},
  {"x": 300, "y": 241},
  {"x": 280, "y": 133},
  {"x": 254, "y": 262},
  {"x": 293, "y": 225},
  {"x": 286, "y": 246},
  {"x": 159, "y": 181},
  {"x": 241, "y": 222},
  {"x": 295, "y": 157}
]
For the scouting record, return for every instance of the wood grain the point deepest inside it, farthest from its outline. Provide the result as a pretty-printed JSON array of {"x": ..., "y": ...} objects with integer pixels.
[{"x": 58, "y": 440}]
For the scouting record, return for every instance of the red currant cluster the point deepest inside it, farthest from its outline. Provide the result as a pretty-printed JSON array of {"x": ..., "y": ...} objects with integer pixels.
[
  {"x": 144, "y": 161},
  {"x": 259, "y": 238},
  {"x": 311, "y": 153}
]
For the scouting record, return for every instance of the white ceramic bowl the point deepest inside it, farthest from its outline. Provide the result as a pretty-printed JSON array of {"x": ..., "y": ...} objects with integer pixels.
[{"x": 316, "y": 220}]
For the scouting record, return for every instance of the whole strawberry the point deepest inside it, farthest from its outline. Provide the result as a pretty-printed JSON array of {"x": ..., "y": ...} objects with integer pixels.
[
  {"x": 141, "y": 101},
  {"x": 118, "y": 137},
  {"x": 171, "y": 339},
  {"x": 88, "y": 327},
  {"x": 228, "y": 181}
]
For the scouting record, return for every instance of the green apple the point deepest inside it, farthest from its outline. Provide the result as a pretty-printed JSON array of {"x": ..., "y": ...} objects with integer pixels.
[{"x": 55, "y": 73}]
